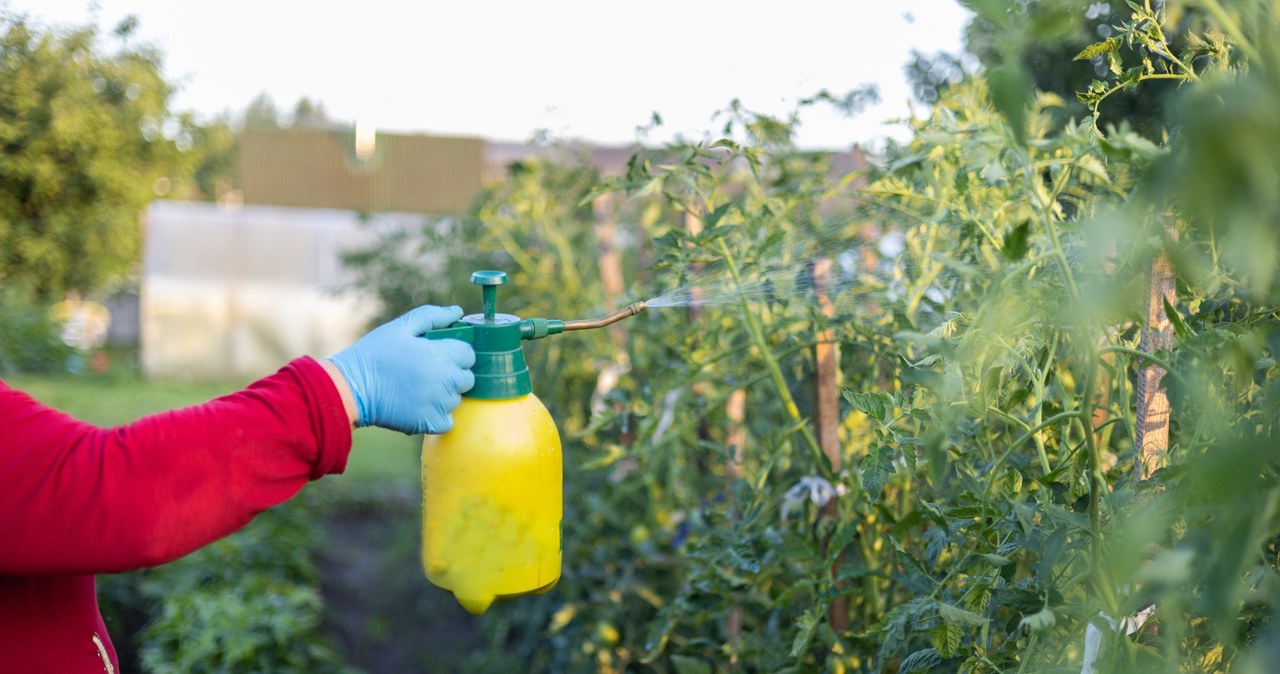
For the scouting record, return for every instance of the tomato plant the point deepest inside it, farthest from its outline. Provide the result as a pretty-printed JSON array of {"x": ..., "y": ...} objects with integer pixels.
[{"x": 1005, "y": 496}]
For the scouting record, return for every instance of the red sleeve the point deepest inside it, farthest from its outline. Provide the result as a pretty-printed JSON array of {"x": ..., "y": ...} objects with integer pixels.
[{"x": 76, "y": 498}]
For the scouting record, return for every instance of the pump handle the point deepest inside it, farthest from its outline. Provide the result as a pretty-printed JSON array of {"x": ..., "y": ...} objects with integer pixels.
[{"x": 489, "y": 282}]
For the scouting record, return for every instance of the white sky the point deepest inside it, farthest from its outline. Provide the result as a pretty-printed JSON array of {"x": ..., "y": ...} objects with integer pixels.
[{"x": 503, "y": 69}]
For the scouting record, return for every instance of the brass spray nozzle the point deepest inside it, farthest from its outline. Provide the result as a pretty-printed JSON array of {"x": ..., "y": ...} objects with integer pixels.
[{"x": 591, "y": 323}]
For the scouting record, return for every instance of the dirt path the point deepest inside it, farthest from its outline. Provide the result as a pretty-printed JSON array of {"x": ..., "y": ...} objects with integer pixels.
[{"x": 380, "y": 611}]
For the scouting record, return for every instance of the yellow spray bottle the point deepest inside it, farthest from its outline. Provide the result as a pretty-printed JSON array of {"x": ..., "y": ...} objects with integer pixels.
[{"x": 492, "y": 490}]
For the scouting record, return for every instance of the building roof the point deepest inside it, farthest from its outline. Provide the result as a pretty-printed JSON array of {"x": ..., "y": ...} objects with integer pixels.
[
  {"x": 408, "y": 173},
  {"x": 320, "y": 168}
]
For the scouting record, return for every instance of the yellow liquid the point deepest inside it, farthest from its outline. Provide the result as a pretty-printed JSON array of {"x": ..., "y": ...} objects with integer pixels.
[{"x": 492, "y": 490}]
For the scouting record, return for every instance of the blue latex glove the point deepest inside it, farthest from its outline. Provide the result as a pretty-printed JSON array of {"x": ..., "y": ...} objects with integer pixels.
[{"x": 403, "y": 381}]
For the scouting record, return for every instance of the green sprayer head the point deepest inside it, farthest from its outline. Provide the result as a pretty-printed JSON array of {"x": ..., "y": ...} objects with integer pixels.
[{"x": 500, "y": 368}]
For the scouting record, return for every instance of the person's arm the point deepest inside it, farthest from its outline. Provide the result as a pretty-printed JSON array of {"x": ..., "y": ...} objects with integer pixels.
[
  {"x": 344, "y": 391},
  {"x": 77, "y": 498}
]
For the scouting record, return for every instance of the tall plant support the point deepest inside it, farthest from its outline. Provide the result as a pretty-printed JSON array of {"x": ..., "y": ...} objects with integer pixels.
[
  {"x": 1151, "y": 441},
  {"x": 735, "y": 435},
  {"x": 827, "y": 413}
]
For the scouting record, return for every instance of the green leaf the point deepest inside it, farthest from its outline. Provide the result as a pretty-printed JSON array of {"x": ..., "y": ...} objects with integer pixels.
[
  {"x": 1092, "y": 165},
  {"x": 1011, "y": 90},
  {"x": 995, "y": 11},
  {"x": 842, "y": 538},
  {"x": 1126, "y": 145},
  {"x": 935, "y": 442},
  {"x": 1040, "y": 620},
  {"x": 1012, "y": 482},
  {"x": 659, "y": 635},
  {"x": 1181, "y": 330},
  {"x": 713, "y": 218},
  {"x": 995, "y": 560},
  {"x": 685, "y": 664},
  {"x": 877, "y": 405},
  {"x": 807, "y": 624},
  {"x": 1098, "y": 49},
  {"x": 1113, "y": 63},
  {"x": 946, "y": 639},
  {"x": 920, "y": 661},
  {"x": 1051, "y": 24},
  {"x": 955, "y": 614},
  {"x": 1015, "y": 242},
  {"x": 1170, "y": 568},
  {"x": 876, "y": 467}
]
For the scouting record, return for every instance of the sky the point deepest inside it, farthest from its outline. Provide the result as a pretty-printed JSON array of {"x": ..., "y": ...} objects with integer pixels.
[{"x": 505, "y": 70}]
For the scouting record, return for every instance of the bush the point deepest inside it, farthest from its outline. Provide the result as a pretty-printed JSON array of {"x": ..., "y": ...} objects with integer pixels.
[
  {"x": 247, "y": 603},
  {"x": 29, "y": 337}
]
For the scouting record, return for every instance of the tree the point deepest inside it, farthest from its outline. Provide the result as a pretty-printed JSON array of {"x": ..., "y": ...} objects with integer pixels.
[
  {"x": 85, "y": 133},
  {"x": 210, "y": 152},
  {"x": 262, "y": 113},
  {"x": 309, "y": 114},
  {"x": 1039, "y": 40}
]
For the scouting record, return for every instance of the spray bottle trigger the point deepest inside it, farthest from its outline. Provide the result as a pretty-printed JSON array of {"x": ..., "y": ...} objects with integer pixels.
[{"x": 464, "y": 332}]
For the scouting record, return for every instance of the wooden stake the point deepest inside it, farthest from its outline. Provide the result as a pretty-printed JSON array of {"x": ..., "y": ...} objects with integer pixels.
[
  {"x": 827, "y": 360},
  {"x": 1151, "y": 441},
  {"x": 735, "y": 436},
  {"x": 827, "y": 414}
]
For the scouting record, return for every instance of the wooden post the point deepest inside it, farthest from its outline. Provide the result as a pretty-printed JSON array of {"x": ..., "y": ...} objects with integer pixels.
[
  {"x": 735, "y": 435},
  {"x": 827, "y": 413},
  {"x": 827, "y": 352},
  {"x": 1151, "y": 441}
]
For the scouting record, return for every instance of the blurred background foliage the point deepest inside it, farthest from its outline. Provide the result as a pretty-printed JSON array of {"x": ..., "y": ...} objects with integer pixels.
[{"x": 988, "y": 512}]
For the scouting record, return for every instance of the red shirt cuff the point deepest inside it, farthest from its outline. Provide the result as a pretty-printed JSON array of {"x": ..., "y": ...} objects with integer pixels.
[{"x": 329, "y": 419}]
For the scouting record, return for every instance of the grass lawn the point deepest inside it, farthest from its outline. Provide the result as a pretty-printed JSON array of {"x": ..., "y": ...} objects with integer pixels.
[{"x": 118, "y": 398}]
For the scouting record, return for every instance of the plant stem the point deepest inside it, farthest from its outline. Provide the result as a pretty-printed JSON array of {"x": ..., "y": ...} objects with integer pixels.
[
  {"x": 1029, "y": 434},
  {"x": 1151, "y": 358},
  {"x": 1060, "y": 255},
  {"x": 775, "y": 372},
  {"x": 1044, "y": 459},
  {"x": 1097, "y": 483},
  {"x": 1229, "y": 26}
]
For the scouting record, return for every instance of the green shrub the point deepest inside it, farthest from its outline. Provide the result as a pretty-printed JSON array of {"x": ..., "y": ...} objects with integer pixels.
[
  {"x": 247, "y": 603},
  {"x": 29, "y": 340}
]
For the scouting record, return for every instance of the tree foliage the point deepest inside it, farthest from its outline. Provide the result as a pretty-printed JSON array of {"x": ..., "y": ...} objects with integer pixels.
[{"x": 85, "y": 133}]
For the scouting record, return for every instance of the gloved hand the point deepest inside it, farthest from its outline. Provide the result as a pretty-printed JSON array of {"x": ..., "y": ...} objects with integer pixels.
[{"x": 403, "y": 381}]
